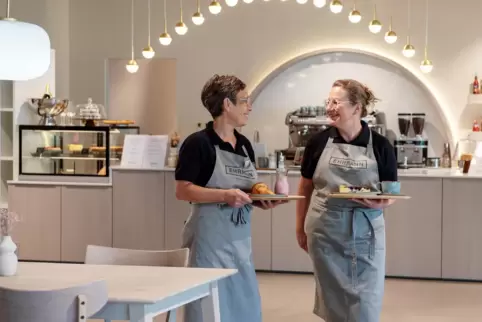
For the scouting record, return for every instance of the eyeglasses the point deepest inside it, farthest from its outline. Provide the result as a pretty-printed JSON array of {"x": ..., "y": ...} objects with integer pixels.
[
  {"x": 335, "y": 102},
  {"x": 245, "y": 100}
]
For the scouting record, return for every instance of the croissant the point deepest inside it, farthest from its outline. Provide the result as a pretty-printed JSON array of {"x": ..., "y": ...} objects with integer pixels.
[{"x": 261, "y": 188}]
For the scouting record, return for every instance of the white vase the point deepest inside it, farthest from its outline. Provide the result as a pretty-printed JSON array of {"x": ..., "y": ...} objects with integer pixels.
[{"x": 8, "y": 258}]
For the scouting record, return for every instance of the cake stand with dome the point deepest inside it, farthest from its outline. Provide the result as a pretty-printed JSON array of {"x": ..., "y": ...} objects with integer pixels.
[{"x": 89, "y": 114}]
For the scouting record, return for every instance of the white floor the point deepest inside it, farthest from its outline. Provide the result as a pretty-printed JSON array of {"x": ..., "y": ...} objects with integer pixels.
[{"x": 287, "y": 297}]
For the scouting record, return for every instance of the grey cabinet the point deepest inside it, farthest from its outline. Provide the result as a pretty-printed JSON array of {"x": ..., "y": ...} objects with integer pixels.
[
  {"x": 177, "y": 212},
  {"x": 462, "y": 222},
  {"x": 86, "y": 219},
  {"x": 37, "y": 235},
  {"x": 287, "y": 255},
  {"x": 138, "y": 207},
  {"x": 414, "y": 230}
]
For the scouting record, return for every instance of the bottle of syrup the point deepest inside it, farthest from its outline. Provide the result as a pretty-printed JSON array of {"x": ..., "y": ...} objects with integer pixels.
[
  {"x": 475, "y": 126},
  {"x": 475, "y": 85}
]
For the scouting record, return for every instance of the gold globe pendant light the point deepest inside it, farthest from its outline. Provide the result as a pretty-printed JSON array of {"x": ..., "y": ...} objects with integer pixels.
[
  {"x": 426, "y": 66},
  {"x": 391, "y": 36},
  {"x": 408, "y": 50},
  {"x": 197, "y": 17},
  {"x": 336, "y": 6},
  {"x": 319, "y": 3},
  {"x": 148, "y": 52},
  {"x": 301, "y": 1},
  {"x": 181, "y": 28},
  {"x": 165, "y": 39},
  {"x": 248, "y": 1},
  {"x": 375, "y": 25},
  {"x": 215, "y": 7},
  {"x": 231, "y": 3},
  {"x": 132, "y": 66},
  {"x": 355, "y": 15}
]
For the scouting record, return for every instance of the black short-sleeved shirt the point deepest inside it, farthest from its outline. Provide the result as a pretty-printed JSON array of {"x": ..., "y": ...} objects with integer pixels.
[
  {"x": 197, "y": 155},
  {"x": 382, "y": 148}
]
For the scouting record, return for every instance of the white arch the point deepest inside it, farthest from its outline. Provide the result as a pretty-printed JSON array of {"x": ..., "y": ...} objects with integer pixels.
[{"x": 414, "y": 74}]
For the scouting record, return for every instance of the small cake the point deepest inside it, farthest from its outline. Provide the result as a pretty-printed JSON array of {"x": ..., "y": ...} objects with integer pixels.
[
  {"x": 75, "y": 148},
  {"x": 351, "y": 189}
]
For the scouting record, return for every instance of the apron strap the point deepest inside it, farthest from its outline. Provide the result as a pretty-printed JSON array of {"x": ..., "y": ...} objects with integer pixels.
[{"x": 371, "y": 251}]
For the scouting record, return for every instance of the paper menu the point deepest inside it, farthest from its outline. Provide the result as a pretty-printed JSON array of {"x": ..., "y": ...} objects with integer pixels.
[{"x": 144, "y": 151}]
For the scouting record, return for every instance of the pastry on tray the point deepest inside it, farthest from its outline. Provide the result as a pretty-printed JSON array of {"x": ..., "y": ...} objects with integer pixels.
[
  {"x": 261, "y": 188},
  {"x": 353, "y": 189}
]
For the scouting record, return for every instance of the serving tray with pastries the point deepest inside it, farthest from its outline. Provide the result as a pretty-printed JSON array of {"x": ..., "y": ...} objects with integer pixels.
[{"x": 261, "y": 191}]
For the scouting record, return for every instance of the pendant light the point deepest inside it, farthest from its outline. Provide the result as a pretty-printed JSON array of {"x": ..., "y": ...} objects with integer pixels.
[
  {"x": 148, "y": 52},
  {"x": 132, "y": 66},
  {"x": 231, "y": 3},
  {"x": 319, "y": 3},
  {"x": 408, "y": 50},
  {"x": 197, "y": 17},
  {"x": 25, "y": 49},
  {"x": 426, "y": 66},
  {"x": 248, "y": 1},
  {"x": 391, "y": 36},
  {"x": 181, "y": 28},
  {"x": 301, "y": 1},
  {"x": 336, "y": 6},
  {"x": 165, "y": 39},
  {"x": 375, "y": 25},
  {"x": 355, "y": 15},
  {"x": 215, "y": 7}
]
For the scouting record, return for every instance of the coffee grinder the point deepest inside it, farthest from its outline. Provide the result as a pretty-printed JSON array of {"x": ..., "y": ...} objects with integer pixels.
[{"x": 411, "y": 152}]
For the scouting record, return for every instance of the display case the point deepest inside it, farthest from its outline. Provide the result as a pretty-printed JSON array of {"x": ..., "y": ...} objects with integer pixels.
[{"x": 66, "y": 151}]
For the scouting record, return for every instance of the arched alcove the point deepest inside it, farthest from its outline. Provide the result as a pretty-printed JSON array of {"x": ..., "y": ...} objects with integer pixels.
[{"x": 306, "y": 81}]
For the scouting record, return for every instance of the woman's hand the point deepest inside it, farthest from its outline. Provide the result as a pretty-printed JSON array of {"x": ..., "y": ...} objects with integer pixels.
[
  {"x": 302, "y": 239},
  {"x": 236, "y": 198},
  {"x": 268, "y": 204},
  {"x": 375, "y": 203}
]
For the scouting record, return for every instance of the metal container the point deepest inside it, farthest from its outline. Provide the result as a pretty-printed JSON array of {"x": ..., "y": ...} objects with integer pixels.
[{"x": 433, "y": 162}]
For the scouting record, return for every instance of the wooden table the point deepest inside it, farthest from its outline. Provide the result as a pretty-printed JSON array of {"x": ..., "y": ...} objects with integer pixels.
[{"x": 136, "y": 293}]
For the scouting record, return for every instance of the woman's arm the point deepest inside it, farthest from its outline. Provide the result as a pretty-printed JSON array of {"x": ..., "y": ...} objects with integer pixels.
[
  {"x": 188, "y": 191},
  {"x": 305, "y": 188}
]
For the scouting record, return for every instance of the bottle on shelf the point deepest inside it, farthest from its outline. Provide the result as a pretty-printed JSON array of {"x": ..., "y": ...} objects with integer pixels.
[
  {"x": 475, "y": 126},
  {"x": 446, "y": 157},
  {"x": 475, "y": 85},
  {"x": 281, "y": 186},
  {"x": 47, "y": 94}
]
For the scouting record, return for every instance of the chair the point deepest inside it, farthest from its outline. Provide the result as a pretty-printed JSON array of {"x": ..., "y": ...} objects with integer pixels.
[
  {"x": 100, "y": 255},
  {"x": 73, "y": 304}
]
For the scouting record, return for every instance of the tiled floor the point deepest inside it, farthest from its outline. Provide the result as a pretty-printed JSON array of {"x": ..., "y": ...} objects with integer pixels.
[{"x": 289, "y": 297}]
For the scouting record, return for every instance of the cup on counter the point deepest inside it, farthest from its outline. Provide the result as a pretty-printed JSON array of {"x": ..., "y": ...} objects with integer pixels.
[
  {"x": 390, "y": 187},
  {"x": 467, "y": 160}
]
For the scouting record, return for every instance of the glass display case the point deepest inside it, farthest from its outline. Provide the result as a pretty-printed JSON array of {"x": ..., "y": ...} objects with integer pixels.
[
  {"x": 66, "y": 151},
  {"x": 117, "y": 137}
]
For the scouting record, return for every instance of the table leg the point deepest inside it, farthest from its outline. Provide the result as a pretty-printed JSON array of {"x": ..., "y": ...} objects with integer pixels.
[
  {"x": 210, "y": 305},
  {"x": 137, "y": 313},
  {"x": 171, "y": 316}
]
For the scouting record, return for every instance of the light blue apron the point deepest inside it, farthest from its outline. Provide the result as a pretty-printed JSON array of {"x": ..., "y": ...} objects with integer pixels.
[
  {"x": 219, "y": 236},
  {"x": 346, "y": 241}
]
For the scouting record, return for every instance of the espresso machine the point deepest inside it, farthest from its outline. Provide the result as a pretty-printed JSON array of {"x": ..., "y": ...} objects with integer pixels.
[
  {"x": 302, "y": 124},
  {"x": 411, "y": 151}
]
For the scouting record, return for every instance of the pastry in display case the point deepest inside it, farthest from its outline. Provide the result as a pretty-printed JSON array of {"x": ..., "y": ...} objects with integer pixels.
[{"x": 66, "y": 151}]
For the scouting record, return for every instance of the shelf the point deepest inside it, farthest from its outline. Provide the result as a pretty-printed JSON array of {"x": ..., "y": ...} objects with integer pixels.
[
  {"x": 474, "y": 99},
  {"x": 6, "y": 109},
  {"x": 6, "y": 158},
  {"x": 68, "y": 158}
]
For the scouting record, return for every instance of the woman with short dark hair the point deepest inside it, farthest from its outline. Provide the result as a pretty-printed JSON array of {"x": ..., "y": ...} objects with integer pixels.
[
  {"x": 346, "y": 238},
  {"x": 215, "y": 168}
]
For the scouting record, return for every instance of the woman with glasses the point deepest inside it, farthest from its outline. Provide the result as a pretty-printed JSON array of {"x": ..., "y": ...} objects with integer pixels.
[
  {"x": 346, "y": 238},
  {"x": 215, "y": 167}
]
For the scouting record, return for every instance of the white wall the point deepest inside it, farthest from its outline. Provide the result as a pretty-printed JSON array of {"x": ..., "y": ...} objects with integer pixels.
[
  {"x": 308, "y": 82},
  {"x": 252, "y": 40}
]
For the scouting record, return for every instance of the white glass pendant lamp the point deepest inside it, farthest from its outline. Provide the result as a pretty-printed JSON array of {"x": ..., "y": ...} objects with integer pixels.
[{"x": 24, "y": 49}]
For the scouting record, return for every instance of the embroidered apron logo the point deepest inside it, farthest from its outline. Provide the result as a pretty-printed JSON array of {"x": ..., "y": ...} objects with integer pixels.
[
  {"x": 240, "y": 172},
  {"x": 348, "y": 163}
]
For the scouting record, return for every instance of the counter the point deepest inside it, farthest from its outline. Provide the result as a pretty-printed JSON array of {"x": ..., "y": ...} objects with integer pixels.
[{"x": 436, "y": 234}]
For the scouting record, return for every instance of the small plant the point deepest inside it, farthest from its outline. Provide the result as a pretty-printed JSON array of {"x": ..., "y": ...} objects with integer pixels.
[{"x": 7, "y": 221}]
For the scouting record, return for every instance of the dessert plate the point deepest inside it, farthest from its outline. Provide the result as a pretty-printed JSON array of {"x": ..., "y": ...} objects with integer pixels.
[{"x": 366, "y": 195}]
